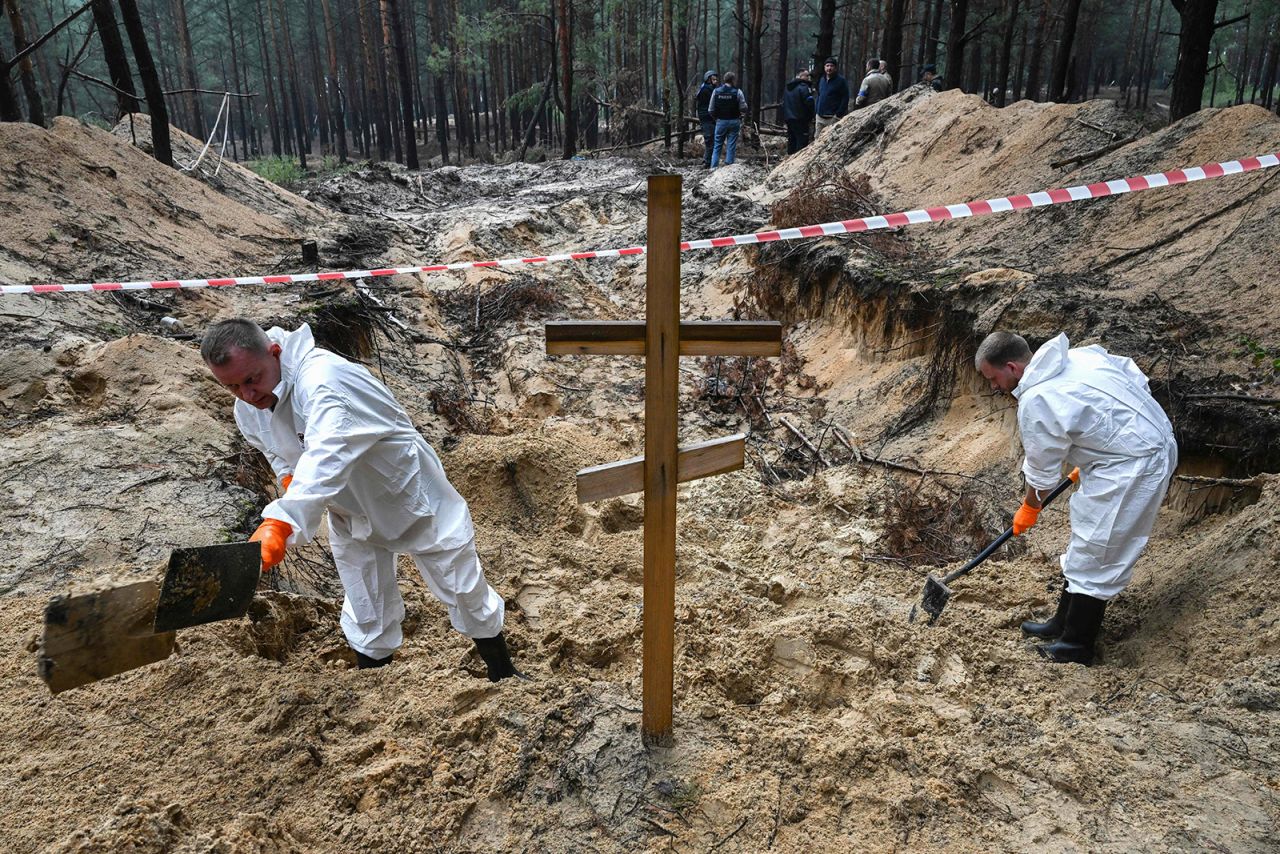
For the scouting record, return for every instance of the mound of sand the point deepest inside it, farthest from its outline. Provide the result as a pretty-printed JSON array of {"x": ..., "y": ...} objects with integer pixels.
[
  {"x": 225, "y": 175},
  {"x": 1195, "y": 245}
]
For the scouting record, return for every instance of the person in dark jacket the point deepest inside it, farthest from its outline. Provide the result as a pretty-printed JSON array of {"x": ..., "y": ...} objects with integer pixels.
[
  {"x": 833, "y": 96},
  {"x": 797, "y": 110},
  {"x": 929, "y": 77},
  {"x": 709, "y": 82},
  {"x": 728, "y": 106}
]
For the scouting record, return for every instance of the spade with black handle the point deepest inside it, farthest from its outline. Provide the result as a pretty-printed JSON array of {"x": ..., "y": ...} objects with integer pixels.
[{"x": 936, "y": 591}]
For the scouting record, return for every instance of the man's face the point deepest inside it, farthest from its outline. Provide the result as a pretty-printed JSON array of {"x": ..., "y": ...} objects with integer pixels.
[
  {"x": 251, "y": 376},
  {"x": 928, "y": 76},
  {"x": 804, "y": 75},
  {"x": 715, "y": 80},
  {"x": 829, "y": 69},
  {"x": 1004, "y": 378}
]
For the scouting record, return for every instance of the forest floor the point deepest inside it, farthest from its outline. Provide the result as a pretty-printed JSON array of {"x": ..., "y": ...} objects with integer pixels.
[{"x": 811, "y": 715}]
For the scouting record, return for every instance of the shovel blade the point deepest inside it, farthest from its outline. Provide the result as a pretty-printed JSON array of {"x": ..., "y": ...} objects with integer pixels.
[
  {"x": 206, "y": 584},
  {"x": 95, "y": 635},
  {"x": 935, "y": 598}
]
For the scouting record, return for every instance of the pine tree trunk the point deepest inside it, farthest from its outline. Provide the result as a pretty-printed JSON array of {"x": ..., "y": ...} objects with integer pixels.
[
  {"x": 392, "y": 10},
  {"x": 756, "y": 96},
  {"x": 892, "y": 52},
  {"x": 113, "y": 52},
  {"x": 30, "y": 89},
  {"x": 268, "y": 84},
  {"x": 955, "y": 45},
  {"x": 435, "y": 15},
  {"x": 1006, "y": 52},
  {"x": 1062, "y": 58},
  {"x": 336, "y": 107},
  {"x": 564, "y": 38},
  {"x": 161, "y": 147},
  {"x": 826, "y": 32},
  {"x": 235, "y": 76},
  {"x": 188, "y": 61},
  {"x": 1193, "y": 56},
  {"x": 1036, "y": 63},
  {"x": 783, "y": 74},
  {"x": 9, "y": 111}
]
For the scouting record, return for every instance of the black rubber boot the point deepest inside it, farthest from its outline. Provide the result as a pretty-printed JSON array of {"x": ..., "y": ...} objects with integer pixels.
[
  {"x": 497, "y": 658},
  {"x": 1052, "y": 628},
  {"x": 1080, "y": 632},
  {"x": 364, "y": 662}
]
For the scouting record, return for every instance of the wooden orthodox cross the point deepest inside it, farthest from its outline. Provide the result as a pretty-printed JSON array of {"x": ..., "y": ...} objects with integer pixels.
[{"x": 662, "y": 339}]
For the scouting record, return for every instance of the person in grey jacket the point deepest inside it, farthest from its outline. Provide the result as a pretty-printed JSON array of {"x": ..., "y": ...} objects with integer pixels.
[{"x": 876, "y": 86}]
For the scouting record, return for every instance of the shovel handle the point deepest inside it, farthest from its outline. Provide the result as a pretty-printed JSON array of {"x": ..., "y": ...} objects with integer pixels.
[{"x": 1004, "y": 538}]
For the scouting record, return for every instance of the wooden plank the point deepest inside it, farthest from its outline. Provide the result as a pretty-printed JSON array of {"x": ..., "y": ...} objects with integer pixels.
[
  {"x": 697, "y": 338},
  {"x": 661, "y": 413},
  {"x": 699, "y": 460},
  {"x": 95, "y": 635}
]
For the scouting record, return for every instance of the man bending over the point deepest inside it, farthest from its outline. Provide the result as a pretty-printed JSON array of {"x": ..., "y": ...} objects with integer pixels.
[
  {"x": 1085, "y": 407},
  {"x": 337, "y": 440}
]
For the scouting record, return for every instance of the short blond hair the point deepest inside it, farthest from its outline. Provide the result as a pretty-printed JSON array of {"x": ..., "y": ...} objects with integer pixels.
[{"x": 999, "y": 348}]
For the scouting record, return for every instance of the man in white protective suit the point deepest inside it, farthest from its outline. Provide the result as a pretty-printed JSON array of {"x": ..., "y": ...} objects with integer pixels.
[
  {"x": 338, "y": 440},
  {"x": 1085, "y": 407}
]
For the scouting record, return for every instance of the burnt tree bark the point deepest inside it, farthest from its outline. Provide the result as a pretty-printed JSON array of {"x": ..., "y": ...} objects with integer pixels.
[
  {"x": 27, "y": 74},
  {"x": 892, "y": 49},
  {"x": 1006, "y": 51},
  {"x": 1062, "y": 58},
  {"x": 161, "y": 147},
  {"x": 113, "y": 52},
  {"x": 955, "y": 45},
  {"x": 1193, "y": 56}
]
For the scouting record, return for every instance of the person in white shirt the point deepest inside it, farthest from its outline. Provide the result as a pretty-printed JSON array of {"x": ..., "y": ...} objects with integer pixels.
[
  {"x": 338, "y": 440},
  {"x": 1085, "y": 407}
]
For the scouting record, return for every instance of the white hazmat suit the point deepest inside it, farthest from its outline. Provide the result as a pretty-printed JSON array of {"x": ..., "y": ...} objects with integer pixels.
[
  {"x": 353, "y": 450},
  {"x": 1085, "y": 407}
]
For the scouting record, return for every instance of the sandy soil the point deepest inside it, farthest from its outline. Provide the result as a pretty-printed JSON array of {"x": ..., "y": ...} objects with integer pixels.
[{"x": 810, "y": 713}]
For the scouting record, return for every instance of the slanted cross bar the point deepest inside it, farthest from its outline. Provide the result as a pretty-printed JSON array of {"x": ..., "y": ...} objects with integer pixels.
[{"x": 662, "y": 339}]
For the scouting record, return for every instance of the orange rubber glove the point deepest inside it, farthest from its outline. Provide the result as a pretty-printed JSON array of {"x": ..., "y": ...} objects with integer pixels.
[
  {"x": 288, "y": 479},
  {"x": 1075, "y": 475},
  {"x": 272, "y": 534},
  {"x": 1024, "y": 519}
]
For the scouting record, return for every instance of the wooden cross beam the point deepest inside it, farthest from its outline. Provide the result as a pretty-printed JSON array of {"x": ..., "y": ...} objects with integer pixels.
[{"x": 662, "y": 339}]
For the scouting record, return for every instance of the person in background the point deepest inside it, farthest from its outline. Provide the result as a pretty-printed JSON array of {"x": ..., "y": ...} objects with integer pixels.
[
  {"x": 1086, "y": 408},
  {"x": 833, "y": 97},
  {"x": 797, "y": 110},
  {"x": 728, "y": 105},
  {"x": 703, "y": 105},
  {"x": 929, "y": 77},
  {"x": 876, "y": 86},
  {"x": 338, "y": 441}
]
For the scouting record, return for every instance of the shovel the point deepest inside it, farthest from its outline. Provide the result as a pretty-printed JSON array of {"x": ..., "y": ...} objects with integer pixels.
[
  {"x": 936, "y": 592},
  {"x": 206, "y": 584},
  {"x": 90, "y": 636}
]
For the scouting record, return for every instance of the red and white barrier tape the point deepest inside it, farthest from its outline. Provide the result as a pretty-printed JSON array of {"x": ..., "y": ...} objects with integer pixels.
[{"x": 872, "y": 223}]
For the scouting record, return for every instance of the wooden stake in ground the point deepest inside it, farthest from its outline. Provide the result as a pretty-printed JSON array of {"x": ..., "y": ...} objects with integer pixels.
[{"x": 662, "y": 339}]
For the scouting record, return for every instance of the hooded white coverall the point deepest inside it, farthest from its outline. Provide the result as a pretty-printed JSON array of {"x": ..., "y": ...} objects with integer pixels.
[
  {"x": 353, "y": 450},
  {"x": 1085, "y": 407}
]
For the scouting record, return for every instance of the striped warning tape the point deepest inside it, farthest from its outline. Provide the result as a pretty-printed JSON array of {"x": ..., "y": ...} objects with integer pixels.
[{"x": 849, "y": 226}]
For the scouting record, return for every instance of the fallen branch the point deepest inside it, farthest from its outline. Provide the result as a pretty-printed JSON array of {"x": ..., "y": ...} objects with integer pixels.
[
  {"x": 1256, "y": 480},
  {"x": 795, "y": 431},
  {"x": 1092, "y": 155}
]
